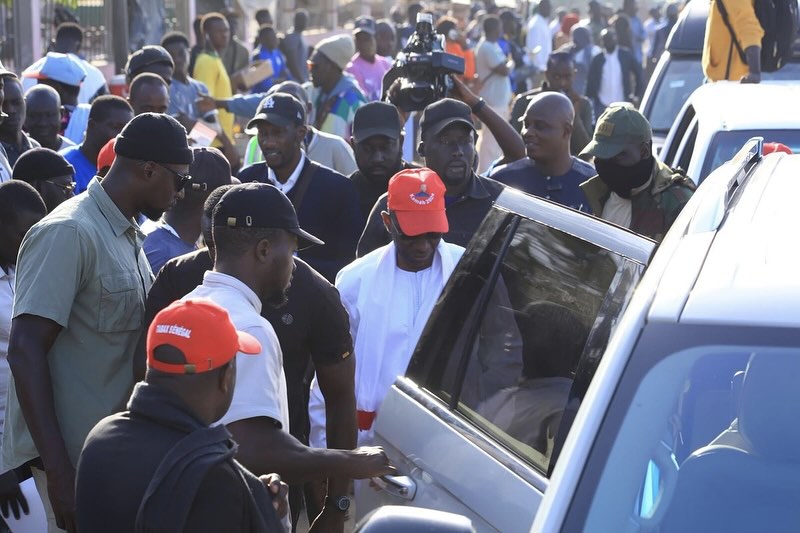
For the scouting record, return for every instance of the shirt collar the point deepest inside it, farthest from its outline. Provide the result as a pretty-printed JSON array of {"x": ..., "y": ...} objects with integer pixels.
[
  {"x": 475, "y": 190},
  {"x": 293, "y": 177},
  {"x": 213, "y": 278},
  {"x": 109, "y": 209}
]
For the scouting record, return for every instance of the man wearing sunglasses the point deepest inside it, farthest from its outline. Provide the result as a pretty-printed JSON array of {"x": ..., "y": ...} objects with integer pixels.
[
  {"x": 82, "y": 279},
  {"x": 390, "y": 292},
  {"x": 49, "y": 173}
]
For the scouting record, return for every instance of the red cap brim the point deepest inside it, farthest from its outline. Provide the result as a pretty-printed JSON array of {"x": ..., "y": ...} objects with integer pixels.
[
  {"x": 248, "y": 344},
  {"x": 413, "y": 223}
]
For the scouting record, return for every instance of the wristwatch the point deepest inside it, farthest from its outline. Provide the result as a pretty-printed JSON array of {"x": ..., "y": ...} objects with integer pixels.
[{"x": 341, "y": 503}]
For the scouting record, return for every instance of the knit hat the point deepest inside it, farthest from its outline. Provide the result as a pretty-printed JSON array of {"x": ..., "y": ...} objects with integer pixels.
[
  {"x": 154, "y": 137},
  {"x": 41, "y": 164},
  {"x": 340, "y": 49}
]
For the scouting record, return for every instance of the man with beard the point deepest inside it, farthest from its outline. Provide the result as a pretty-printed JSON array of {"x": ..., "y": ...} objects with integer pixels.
[
  {"x": 326, "y": 201},
  {"x": 43, "y": 117},
  {"x": 378, "y": 146},
  {"x": 549, "y": 171},
  {"x": 633, "y": 189},
  {"x": 82, "y": 278},
  {"x": 256, "y": 234},
  {"x": 15, "y": 141}
]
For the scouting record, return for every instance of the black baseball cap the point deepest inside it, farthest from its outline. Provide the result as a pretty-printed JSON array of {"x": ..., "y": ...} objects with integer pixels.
[
  {"x": 259, "y": 205},
  {"x": 146, "y": 56},
  {"x": 366, "y": 24},
  {"x": 443, "y": 113},
  {"x": 154, "y": 137},
  {"x": 376, "y": 118},
  {"x": 280, "y": 109}
]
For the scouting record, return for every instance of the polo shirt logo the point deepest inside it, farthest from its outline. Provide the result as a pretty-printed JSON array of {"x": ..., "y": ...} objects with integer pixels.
[{"x": 174, "y": 329}]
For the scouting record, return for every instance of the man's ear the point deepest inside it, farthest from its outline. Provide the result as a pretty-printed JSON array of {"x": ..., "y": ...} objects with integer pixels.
[
  {"x": 568, "y": 129},
  {"x": 227, "y": 379},
  {"x": 387, "y": 221},
  {"x": 646, "y": 150},
  {"x": 421, "y": 148},
  {"x": 263, "y": 250},
  {"x": 302, "y": 130}
]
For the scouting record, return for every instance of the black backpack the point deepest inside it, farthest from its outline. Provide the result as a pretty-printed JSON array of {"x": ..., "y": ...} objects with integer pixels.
[{"x": 779, "y": 20}]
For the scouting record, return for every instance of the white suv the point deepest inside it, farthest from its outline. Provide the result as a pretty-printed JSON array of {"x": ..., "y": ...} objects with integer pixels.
[
  {"x": 718, "y": 118},
  {"x": 691, "y": 421}
]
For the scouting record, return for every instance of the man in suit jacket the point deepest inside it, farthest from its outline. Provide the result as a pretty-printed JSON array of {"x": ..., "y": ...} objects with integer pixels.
[{"x": 614, "y": 75}]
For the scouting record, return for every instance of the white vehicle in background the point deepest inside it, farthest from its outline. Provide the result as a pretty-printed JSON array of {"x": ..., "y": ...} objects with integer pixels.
[{"x": 718, "y": 118}]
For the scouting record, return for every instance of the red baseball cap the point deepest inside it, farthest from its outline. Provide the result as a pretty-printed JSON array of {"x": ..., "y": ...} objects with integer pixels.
[
  {"x": 106, "y": 155},
  {"x": 200, "y": 329},
  {"x": 416, "y": 197}
]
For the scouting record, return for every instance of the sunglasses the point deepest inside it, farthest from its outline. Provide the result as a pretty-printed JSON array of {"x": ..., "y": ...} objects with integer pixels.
[
  {"x": 66, "y": 187},
  {"x": 180, "y": 179}
]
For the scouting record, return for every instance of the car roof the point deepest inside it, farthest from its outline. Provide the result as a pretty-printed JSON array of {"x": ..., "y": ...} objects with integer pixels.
[
  {"x": 735, "y": 106},
  {"x": 689, "y": 32},
  {"x": 735, "y": 262}
]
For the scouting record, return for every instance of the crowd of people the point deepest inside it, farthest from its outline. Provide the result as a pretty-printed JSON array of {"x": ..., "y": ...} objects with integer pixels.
[{"x": 187, "y": 325}]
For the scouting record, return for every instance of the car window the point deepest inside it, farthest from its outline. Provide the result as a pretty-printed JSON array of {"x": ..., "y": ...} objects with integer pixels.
[
  {"x": 678, "y": 82},
  {"x": 519, "y": 325},
  {"x": 668, "y": 155},
  {"x": 725, "y": 144},
  {"x": 708, "y": 442},
  {"x": 688, "y": 148}
]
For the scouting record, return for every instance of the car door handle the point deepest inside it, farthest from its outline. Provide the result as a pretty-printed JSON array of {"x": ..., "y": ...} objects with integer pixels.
[{"x": 401, "y": 486}]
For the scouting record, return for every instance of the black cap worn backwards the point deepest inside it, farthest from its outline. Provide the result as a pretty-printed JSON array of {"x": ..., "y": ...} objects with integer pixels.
[
  {"x": 280, "y": 109},
  {"x": 154, "y": 137},
  {"x": 376, "y": 118},
  {"x": 41, "y": 164},
  {"x": 259, "y": 205},
  {"x": 441, "y": 114},
  {"x": 145, "y": 56}
]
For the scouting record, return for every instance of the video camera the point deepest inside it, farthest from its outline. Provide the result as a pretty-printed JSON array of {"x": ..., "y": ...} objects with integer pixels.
[{"x": 423, "y": 68}]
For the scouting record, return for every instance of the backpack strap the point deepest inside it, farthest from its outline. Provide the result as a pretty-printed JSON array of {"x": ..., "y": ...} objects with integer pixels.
[
  {"x": 306, "y": 175},
  {"x": 734, "y": 40}
]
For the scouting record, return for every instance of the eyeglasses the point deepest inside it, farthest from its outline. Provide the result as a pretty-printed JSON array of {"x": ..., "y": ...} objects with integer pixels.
[
  {"x": 66, "y": 187},
  {"x": 180, "y": 179}
]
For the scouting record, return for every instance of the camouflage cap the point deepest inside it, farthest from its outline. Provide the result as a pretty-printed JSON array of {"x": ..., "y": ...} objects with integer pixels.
[{"x": 619, "y": 125}]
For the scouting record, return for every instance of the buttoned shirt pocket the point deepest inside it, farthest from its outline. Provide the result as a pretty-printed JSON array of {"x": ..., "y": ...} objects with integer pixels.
[{"x": 121, "y": 304}]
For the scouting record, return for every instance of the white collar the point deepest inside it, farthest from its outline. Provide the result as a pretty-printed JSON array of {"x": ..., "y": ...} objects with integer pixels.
[
  {"x": 218, "y": 279},
  {"x": 293, "y": 177}
]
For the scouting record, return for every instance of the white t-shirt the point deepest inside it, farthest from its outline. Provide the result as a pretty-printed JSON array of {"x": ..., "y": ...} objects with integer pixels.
[
  {"x": 611, "y": 82},
  {"x": 496, "y": 89},
  {"x": 539, "y": 34},
  {"x": 260, "y": 380}
]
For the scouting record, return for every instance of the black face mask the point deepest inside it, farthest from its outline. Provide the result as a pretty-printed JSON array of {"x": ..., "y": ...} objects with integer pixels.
[{"x": 622, "y": 180}]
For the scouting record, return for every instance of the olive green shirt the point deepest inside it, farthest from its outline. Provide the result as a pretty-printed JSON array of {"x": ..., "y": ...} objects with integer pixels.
[{"x": 83, "y": 267}]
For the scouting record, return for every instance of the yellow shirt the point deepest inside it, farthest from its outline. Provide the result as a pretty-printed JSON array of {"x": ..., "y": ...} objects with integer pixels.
[
  {"x": 208, "y": 68},
  {"x": 719, "y": 45}
]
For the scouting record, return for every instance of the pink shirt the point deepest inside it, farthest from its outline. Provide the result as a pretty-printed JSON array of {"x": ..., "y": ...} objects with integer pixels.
[{"x": 369, "y": 75}]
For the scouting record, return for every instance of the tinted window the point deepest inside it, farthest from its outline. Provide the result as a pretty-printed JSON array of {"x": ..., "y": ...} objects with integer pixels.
[
  {"x": 725, "y": 144},
  {"x": 679, "y": 80},
  {"x": 708, "y": 442},
  {"x": 521, "y": 324}
]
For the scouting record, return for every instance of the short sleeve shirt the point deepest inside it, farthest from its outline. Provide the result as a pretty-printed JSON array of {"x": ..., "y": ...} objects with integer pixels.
[
  {"x": 260, "y": 381},
  {"x": 84, "y": 268}
]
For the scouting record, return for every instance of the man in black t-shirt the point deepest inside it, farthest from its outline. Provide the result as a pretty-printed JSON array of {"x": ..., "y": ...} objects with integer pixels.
[
  {"x": 313, "y": 330},
  {"x": 160, "y": 465}
]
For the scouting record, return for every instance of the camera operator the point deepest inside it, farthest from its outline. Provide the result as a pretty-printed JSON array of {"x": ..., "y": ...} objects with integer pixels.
[{"x": 448, "y": 148}]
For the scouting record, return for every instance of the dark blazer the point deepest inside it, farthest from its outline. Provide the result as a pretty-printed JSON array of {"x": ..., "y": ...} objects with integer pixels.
[
  {"x": 329, "y": 210},
  {"x": 630, "y": 68}
]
